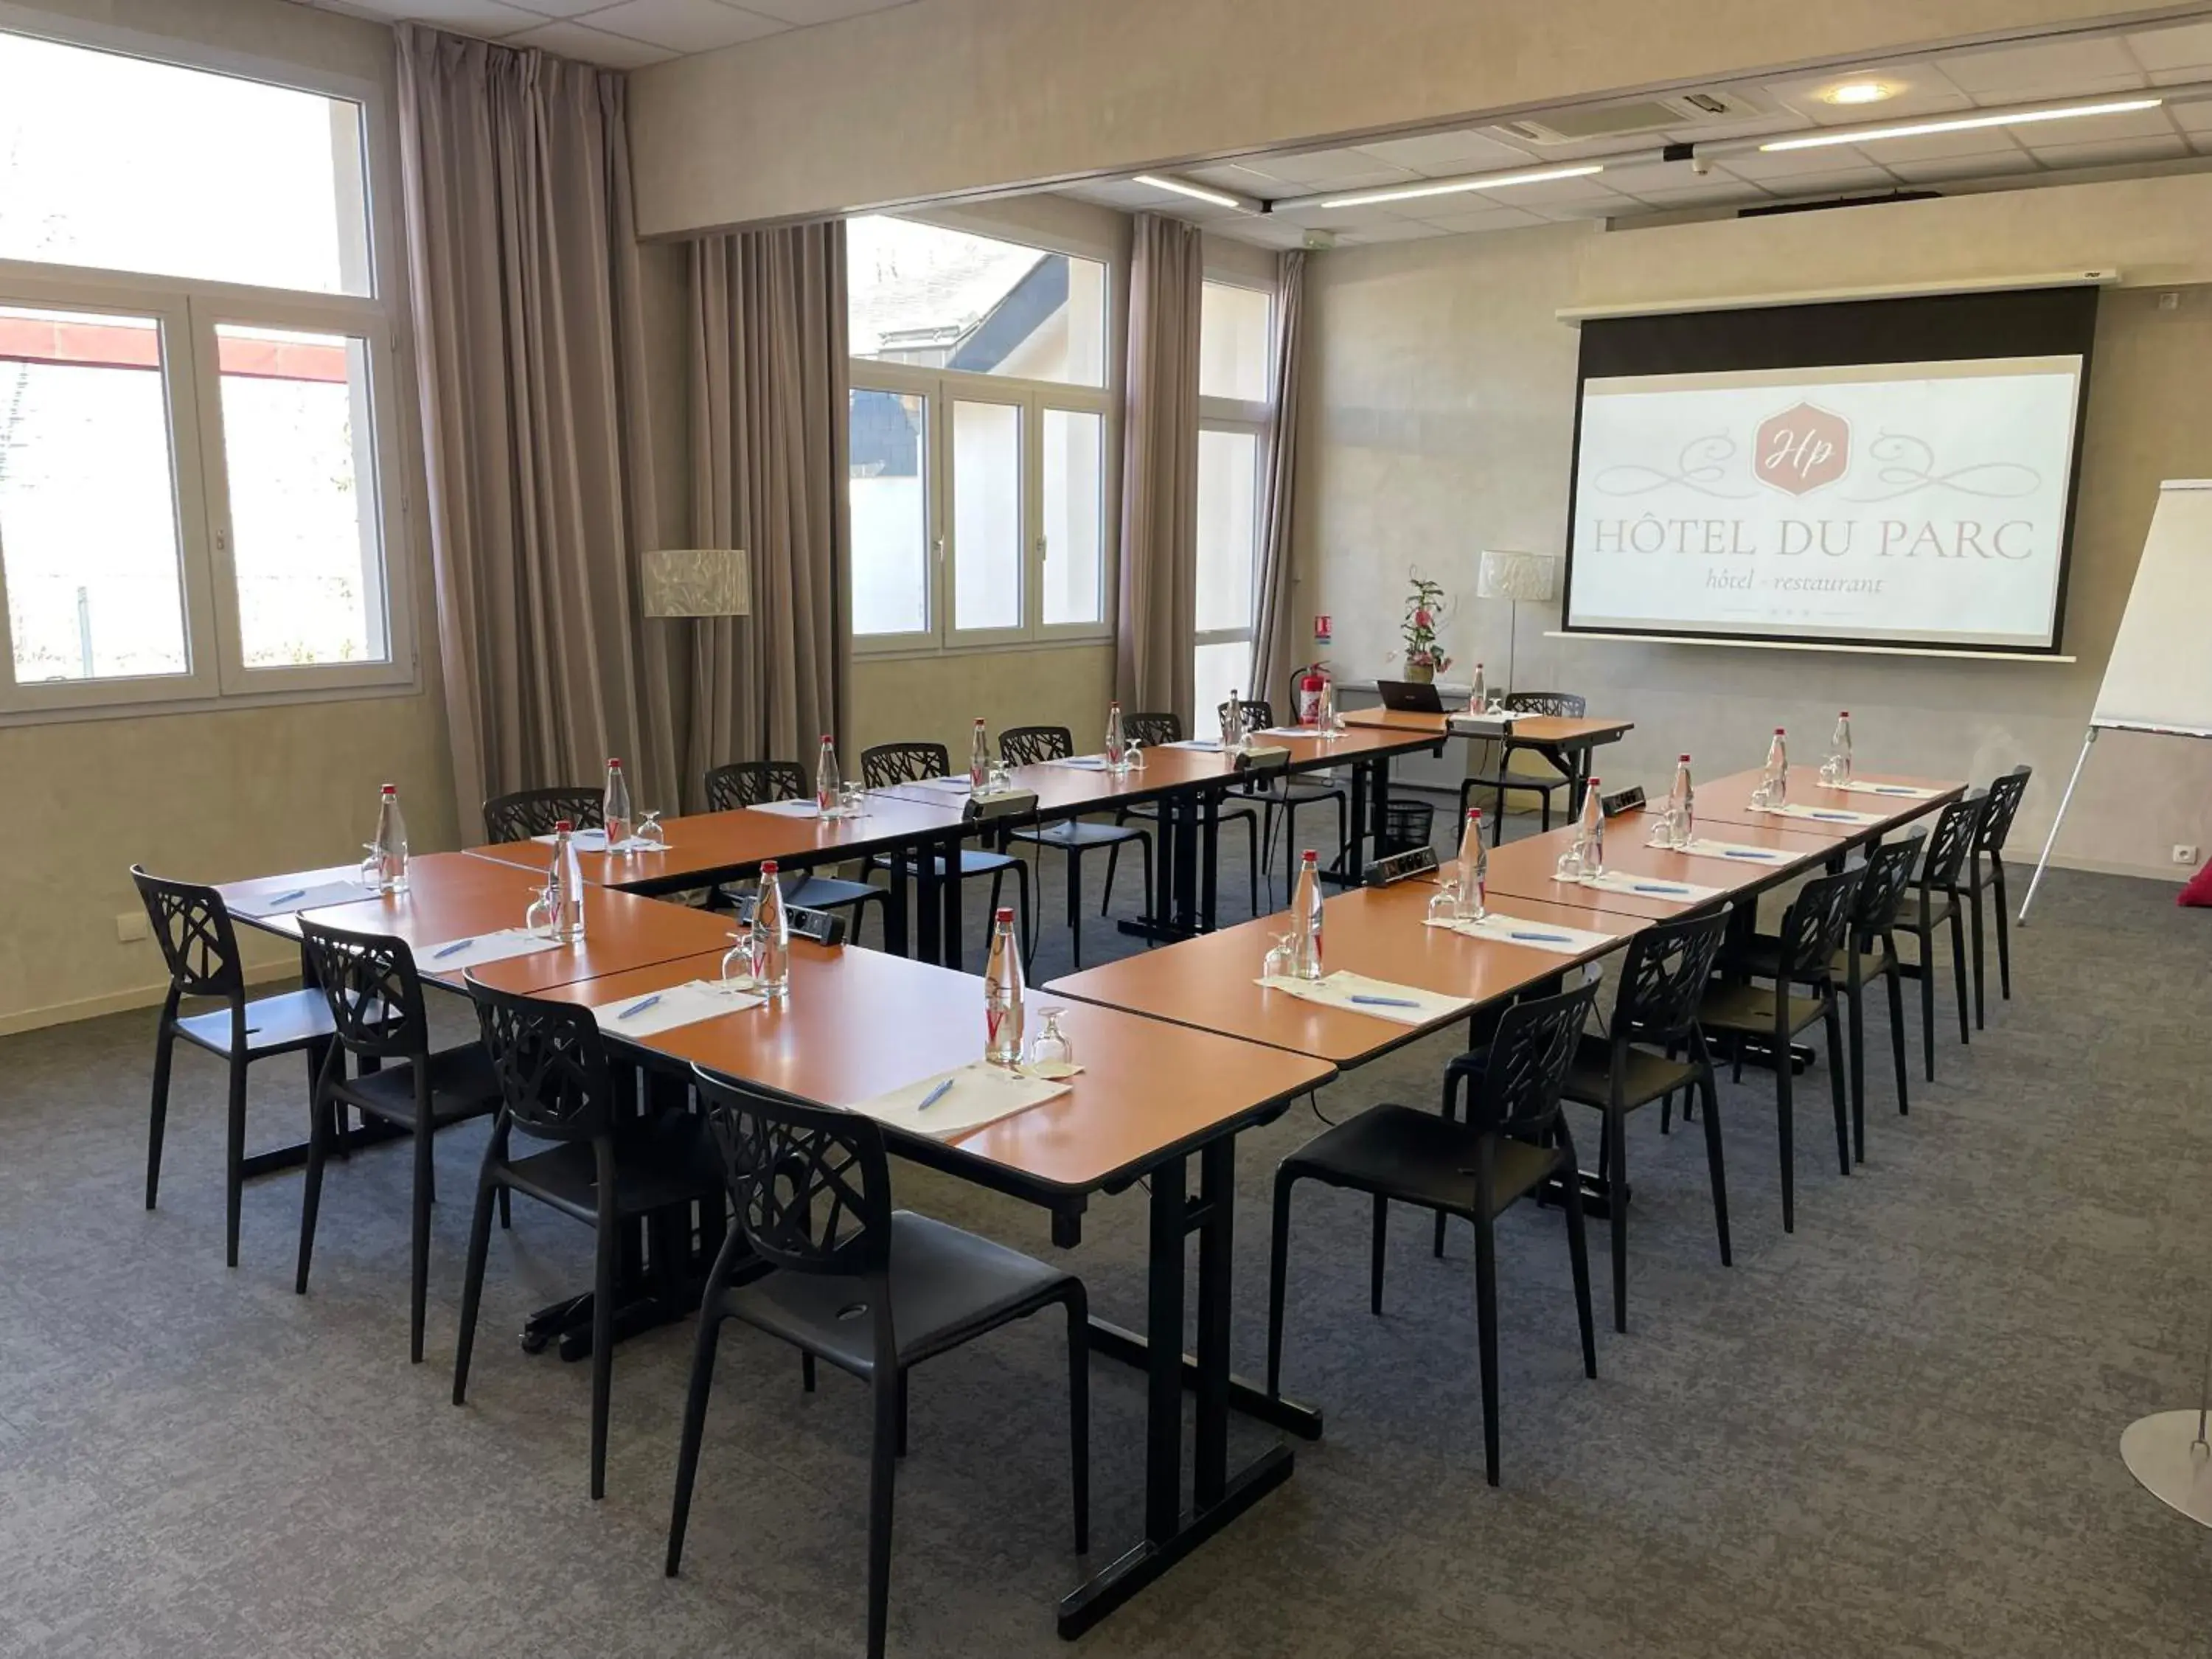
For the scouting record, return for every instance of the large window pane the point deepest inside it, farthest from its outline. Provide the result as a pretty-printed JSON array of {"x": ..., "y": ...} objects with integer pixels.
[
  {"x": 88, "y": 534},
  {"x": 1074, "y": 514},
  {"x": 1228, "y": 520},
  {"x": 943, "y": 298},
  {"x": 1220, "y": 669},
  {"x": 305, "y": 538},
  {"x": 891, "y": 513},
  {"x": 1232, "y": 342},
  {"x": 986, "y": 515},
  {"x": 129, "y": 165}
]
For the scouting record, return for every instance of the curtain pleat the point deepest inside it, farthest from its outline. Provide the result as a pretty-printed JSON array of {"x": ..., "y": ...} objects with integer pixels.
[{"x": 1275, "y": 651}]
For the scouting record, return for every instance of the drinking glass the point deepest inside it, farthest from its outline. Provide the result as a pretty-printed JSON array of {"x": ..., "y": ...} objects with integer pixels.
[
  {"x": 852, "y": 801},
  {"x": 742, "y": 958},
  {"x": 1133, "y": 755},
  {"x": 543, "y": 916},
  {"x": 1570, "y": 864},
  {"x": 1277, "y": 963},
  {"x": 650, "y": 832},
  {"x": 1444, "y": 906},
  {"x": 1051, "y": 1046},
  {"x": 1664, "y": 829},
  {"x": 1761, "y": 796}
]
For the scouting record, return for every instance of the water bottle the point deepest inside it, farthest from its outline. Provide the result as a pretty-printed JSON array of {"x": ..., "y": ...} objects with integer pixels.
[
  {"x": 979, "y": 760},
  {"x": 1777, "y": 771},
  {"x": 772, "y": 930},
  {"x": 1839, "y": 749},
  {"x": 1117, "y": 748},
  {"x": 386, "y": 869},
  {"x": 1002, "y": 993},
  {"x": 1590, "y": 832},
  {"x": 1232, "y": 723},
  {"x": 1305, "y": 913},
  {"x": 1681, "y": 805},
  {"x": 1325, "y": 715},
  {"x": 616, "y": 812},
  {"x": 1479, "y": 699},
  {"x": 1472, "y": 902},
  {"x": 564, "y": 887},
  {"x": 828, "y": 786}
]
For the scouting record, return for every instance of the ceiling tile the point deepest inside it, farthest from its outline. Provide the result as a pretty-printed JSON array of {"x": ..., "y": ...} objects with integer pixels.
[
  {"x": 1494, "y": 218},
  {"x": 1561, "y": 193},
  {"x": 559, "y": 8},
  {"x": 2189, "y": 46},
  {"x": 1781, "y": 166},
  {"x": 1244, "y": 180},
  {"x": 1921, "y": 89},
  {"x": 1713, "y": 189},
  {"x": 803, "y": 12},
  {"x": 489, "y": 19},
  {"x": 1333, "y": 169},
  {"x": 2191, "y": 118},
  {"x": 1638, "y": 177},
  {"x": 1344, "y": 219},
  {"x": 2050, "y": 68},
  {"x": 2097, "y": 129},
  {"x": 1849, "y": 181},
  {"x": 2117, "y": 152},
  {"x": 1440, "y": 154},
  {"x": 1938, "y": 146},
  {"x": 684, "y": 25},
  {"x": 1964, "y": 166},
  {"x": 590, "y": 46}
]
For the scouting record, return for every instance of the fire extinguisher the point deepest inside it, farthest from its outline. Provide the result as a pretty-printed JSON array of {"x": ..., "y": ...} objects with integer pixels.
[{"x": 1311, "y": 682}]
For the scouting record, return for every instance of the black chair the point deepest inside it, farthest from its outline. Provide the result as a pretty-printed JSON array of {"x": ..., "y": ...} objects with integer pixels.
[
  {"x": 1032, "y": 745},
  {"x": 1565, "y": 704},
  {"x": 375, "y": 999},
  {"x": 1154, "y": 731},
  {"x": 1282, "y": 797},
  {"x": 1812, "y": 932},
  {"x": 748, "y": 783},
  {"x": 1933, "y": 903},
  {"x": 1654, "y": 1013},
  {"x": 192, "y": 925},
  {"x": 1513, "y": 1141},
  {"x": 2004, "y": 798},
  {"x": 873, "y": 1291},
  {"x": 888, "y": 764},
  {"x": 554, "y": 1085},
  {"x": 528, "y": 813}
]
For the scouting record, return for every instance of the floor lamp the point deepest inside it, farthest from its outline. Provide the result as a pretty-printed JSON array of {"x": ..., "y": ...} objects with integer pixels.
[
  {"x": 2169, "y": 1453},
  {"x": 1506, "y": 575}
]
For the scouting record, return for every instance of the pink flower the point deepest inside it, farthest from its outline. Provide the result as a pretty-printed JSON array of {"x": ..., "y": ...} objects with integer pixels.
[{"x": 1422, "y": 619}]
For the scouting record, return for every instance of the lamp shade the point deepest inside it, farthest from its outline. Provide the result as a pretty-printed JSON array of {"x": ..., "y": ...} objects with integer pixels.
[
  {"x": 697, "y": 581},
  {"x": 1506, "y": 575}
]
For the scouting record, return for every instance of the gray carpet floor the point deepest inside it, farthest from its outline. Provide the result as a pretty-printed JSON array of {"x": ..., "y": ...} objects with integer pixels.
[{"x": 1894, "y": 1432}]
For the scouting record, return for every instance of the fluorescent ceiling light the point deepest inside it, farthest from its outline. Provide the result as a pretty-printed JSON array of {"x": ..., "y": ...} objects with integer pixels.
[
  {"x": 1859, "y": 92},
  {"x": 1198, "y": 193},
  {"x": 1452, "y": 187},
  {"x": 1961, "y": 124}
]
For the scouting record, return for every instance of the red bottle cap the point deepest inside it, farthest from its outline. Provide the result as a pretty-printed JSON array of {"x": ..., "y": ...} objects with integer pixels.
[
  {"x": 1777, "y": 731},
  {"x": 391, "y": 789},
  {"x": 615, "y": 761},
  {"x": 1310, "y": 857},
  {"x": 1004, "y": 913},
  {"x": 562, "y": 827},
  {"x": 767, "y": 867},
  {"x": 1685, "y": 760},
  {"x": 1844, "y": 715}
]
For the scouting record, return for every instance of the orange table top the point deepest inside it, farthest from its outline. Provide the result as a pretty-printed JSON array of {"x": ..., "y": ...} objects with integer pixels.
[
  {"x": 1727, "y": 800},
  {"x": 1525, "y": 868},
  {"x": 860, "y": 1023},
  {"x": 1560, "y": 730}
]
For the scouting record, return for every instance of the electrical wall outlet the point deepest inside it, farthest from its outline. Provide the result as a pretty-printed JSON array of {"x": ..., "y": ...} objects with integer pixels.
[
  {"x": 130, "y": 928},
  {"x": 2185, "y": 854}
]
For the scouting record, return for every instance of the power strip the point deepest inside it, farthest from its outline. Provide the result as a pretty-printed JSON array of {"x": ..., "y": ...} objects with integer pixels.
[
  {"x": 822, "y": 926},
  {"x": 1630, "y": 799},
  {"x": 1400, "y": 866}
]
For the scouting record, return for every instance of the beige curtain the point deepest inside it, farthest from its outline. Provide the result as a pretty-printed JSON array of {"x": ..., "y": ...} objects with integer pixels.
[
  {"x": 530, "y": 347},
  {"x": 1275, "y": 640},
  {"x": 1159, "y": 626},
  {"x": 769, "y": 463}
]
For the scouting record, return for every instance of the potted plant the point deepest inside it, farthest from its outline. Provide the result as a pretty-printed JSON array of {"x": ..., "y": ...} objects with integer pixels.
[{"x": 1424, "y": 658}]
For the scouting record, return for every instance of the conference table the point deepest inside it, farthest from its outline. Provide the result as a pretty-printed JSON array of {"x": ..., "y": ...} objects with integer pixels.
[{"x": 1565, "y": 740}]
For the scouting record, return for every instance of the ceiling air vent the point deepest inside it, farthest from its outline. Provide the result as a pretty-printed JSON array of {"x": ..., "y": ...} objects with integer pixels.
[{"x": 1581, "y": 123}]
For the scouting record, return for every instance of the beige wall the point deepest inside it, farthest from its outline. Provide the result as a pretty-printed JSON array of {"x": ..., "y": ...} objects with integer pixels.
[
  {"x": 242, "y": 791},
  {"x": 947, "y": 96},
  {"x": 1440, "y": 420},
  {"x": 899, "y": 699}
]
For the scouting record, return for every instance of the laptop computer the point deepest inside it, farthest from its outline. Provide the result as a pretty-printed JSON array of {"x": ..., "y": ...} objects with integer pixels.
[{"x": 1411, "y": 697}]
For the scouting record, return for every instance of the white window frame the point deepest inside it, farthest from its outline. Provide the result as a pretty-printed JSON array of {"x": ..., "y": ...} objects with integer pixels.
[
  {"x": 1258, "y": 420},
  {"x": 189, "y": 309}
]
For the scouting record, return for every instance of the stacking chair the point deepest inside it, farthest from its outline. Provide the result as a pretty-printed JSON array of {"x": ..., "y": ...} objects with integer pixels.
[
  {"x": 748, "y": 783},
  {"x": 2004, "y": 797},
  {"x": 375, "y": 999},
  {"x": 554, "y": 1085},
  {"x": 873, "y": 1291},
  {"x": 1031, "y": 746},
  {"x": 1655, "y": 1012},
  {"x": 193, "y": 926},
  {"x": 890, "y": 763},
  {"x": 1153, "y": 731},
  {"x": 1505, "y": 778},
  {"x": 531, "y": 812},
  {"x": 1282, "y": 798},
  {"x": 1812, "y": 932},
  {"x": 1934, "y": 902},
  {"x": 1513, "y": 1140}
]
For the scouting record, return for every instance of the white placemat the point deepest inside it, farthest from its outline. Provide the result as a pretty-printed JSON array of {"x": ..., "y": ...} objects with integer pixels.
[
  {"x": 959, "y": 786},
  {"x": 1824, "y": 814},
  {"x": 1081, "y": 762},
  {"x": 595, "y": 840},
  {"x": 664, "y": 1011},
  {"x": 451, "y": 956},
  {"x": 1289, "y": 732},
  {"x": 787, "y": 809},
  {"x": 285, "y": 901},
  {"x": 980, "y": 1094},
  {"x": 1502, "y": 929},
  {"x": 1339, "y": 990},
  {"x": 1620, "y": 881},
  {"x": 1903, "y": 791},
  {"x": 1210, "y": 744},
  {"x": 1735, "y": 852}
]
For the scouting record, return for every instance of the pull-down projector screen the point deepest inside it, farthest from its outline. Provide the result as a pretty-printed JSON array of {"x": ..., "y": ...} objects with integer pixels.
[{"x": 1893, "y": 472}]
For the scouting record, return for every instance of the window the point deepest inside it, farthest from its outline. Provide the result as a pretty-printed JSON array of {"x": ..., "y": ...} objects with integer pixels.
[
  {"x": 979, "y": 426},
  {"x": 193, "y": 404},
  {"x": 1236, "y": 334}
]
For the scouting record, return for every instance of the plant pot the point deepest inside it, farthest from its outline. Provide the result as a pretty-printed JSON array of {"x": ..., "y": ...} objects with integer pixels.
[{"x": 1419, "y": 674}]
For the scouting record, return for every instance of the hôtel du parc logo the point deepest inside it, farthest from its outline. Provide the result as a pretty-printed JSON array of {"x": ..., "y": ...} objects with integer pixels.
[{"x": 1803, "y": 449}]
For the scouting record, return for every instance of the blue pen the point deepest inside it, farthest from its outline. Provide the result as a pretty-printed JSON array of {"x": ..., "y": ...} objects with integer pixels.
[
  {"x": 1894, "y": 789},
  {"x": 639, "y": 1006},
  {"x": 1545, "y": 938},
  {"x": 452, "y": 949},
  {"x": 935, "y": 1095},
  {"x": 1841, "y": 818},
  {"x": 1656, "y": 887},
  {"x": 1738, "y": 853},
  {"x": 286, "y": 898},
  {"x": 1387, "y": 1002}
]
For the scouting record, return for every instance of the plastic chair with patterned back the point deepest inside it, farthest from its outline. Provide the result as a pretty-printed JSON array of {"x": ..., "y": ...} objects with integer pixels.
[
  {"x": 1285, "y": 795},
  {"x": 1563, "y": 705},
  {"x": 887, "y": 766},
  {"x": 1934, "y": 901},
  {"x": 1035, "y": 745},
  {"x": 1158, "y": 731},
  {"x": 2004, "y": 798},
  {"x": 527, "y": 813},
  {"x": 740, "y": 784},
  {"x": 749, "y": 783}
]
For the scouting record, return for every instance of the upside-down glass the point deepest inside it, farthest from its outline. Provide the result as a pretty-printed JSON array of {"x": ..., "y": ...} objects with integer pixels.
[
  {"x": 1443, "y": 908},
  {"x": 1051, "y": 1046},
  {"x": 742, "y": 958},
  {"x": 650, "y": 832},
  {"x": 539, "y": 918},
  {"x": 1276, "y": 962},
  {"x": 1570, "y": 864}
]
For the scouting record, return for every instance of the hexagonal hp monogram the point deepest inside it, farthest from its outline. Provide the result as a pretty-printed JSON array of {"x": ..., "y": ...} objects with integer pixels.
[{"x": 1803, "y": 449}]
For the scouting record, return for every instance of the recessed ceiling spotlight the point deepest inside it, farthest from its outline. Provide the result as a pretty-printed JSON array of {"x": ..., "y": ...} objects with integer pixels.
[{"x": 1859, "y": 92}]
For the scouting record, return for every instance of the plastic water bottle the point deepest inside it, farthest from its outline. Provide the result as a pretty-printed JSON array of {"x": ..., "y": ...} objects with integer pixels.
[
  {"x": 979, "y": 759},
  {"x": 1232, "y": 722},
  {"x": 1002, "y": 993},
  {"x": 1681, "y": 805},
  {"x": 1589, "y": 830},
  {"x": 1471, "y": 904},
  {"x": 616, "y": 813},
  {"x": 1305, "y": 912},
  {"x": 772, "y": 931},
  {"x": 1777, "y": 771},
  {"x": 564, "y": 887},
  {"x": 1479, "y": 699},
  {"x": 828, "y": 786},
  {"x": 1325, "y": 716},
  {"x": 1839, "y": 749},
  {"x": 1117, "y": 747},
  {"x": 387, "y": 853}
]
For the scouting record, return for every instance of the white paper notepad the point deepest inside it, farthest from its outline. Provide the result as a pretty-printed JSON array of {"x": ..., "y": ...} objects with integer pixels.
[
  {"x": 1823, "y": 814},
  {"x": 1406, "y": 1005},
  {"x": 1906, "y": 791},
  {"x": 1502, "y": 929},
  {"x": 1620, "y": 881},
  {"x": 664, "y": 1011},
  {"x": 980, "y": 1094},
  {"x": 281, "y": 901},
  {"x": 595, "y": 840},
  {"x": 453, "y": 954},
  {"x": 787, "y": 809},
  {"x": 1735, "y": 852}
]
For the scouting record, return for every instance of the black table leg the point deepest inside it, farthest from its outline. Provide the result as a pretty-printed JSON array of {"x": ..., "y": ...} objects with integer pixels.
[
  {"x": 1345, "y": 872},
  {"x": 896, "y": 941},
  {"x": 928, "y": 905},
  {"x": 1209, "y": 854},
  {"x": 949, "y": 899}
]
